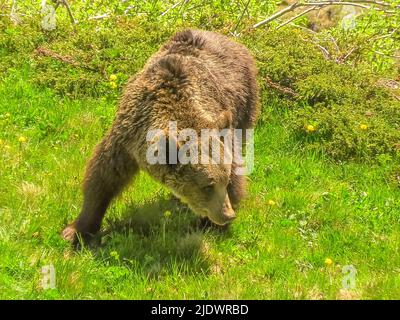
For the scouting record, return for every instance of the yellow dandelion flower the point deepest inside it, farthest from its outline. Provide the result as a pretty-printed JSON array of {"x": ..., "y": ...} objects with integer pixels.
[
  {"x": 363, "y": 126},
  {"x": 271, "y": 202},
  {"x": 310, "y": 128},
  {"x": 113, "y": 77},
  {"x": 328, "y": 262},
  {"x": 113, "y": 84},
  {"x": 115, "y": 255},
  {"x": 22, "y": 139},
  {"x": 167, "y": 213}
]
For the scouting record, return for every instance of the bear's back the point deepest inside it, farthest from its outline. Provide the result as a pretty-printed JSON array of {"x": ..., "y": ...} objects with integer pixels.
[{"x": 204, "y": 71}]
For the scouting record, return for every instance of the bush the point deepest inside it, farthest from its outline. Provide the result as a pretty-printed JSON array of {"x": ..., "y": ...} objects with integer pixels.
[
  {"x": 342, "y": 108},
  {"x": 351, "y": 114}
]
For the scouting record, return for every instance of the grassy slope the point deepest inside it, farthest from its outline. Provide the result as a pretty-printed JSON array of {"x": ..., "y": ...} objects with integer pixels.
[{"x": 346, "y": 212}]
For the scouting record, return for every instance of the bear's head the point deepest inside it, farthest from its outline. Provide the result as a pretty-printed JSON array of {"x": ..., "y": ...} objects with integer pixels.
[
  {"x": 204, "y": 188},
  {"x": 198, "y": 177}
]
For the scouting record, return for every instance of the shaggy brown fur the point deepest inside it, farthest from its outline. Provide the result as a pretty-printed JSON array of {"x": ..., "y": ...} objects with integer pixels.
[{"x": 200, "y": 80}]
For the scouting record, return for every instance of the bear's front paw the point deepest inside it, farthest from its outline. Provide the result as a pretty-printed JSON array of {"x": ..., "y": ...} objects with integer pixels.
[
  {"x": 78, "y": 238},
  {"x": 70, "y": 234}
]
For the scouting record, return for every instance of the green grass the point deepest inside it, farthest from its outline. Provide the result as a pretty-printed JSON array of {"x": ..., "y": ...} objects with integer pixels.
[
  {"x": 52, "y": 114},
  {"x": 347, "y": 212}
]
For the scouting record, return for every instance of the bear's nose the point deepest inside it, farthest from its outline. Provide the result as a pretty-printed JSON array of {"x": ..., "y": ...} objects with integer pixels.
[
  {"x": 227, "y": 210},
  {"x": 229, "y": 217},
  {"x": 228, "y": 213},
  {"x": 222, "y": 219}
]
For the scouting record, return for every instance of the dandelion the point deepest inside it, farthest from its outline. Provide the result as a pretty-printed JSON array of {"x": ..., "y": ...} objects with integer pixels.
[
  {"x": 328, "y": 262},
  {"x": 167, "y": 214},
  {"x": 310, "y": 128},
  {"x": 113, "y": 78},
  {"x": 114, "y": 255},
  {"x": 363, "y": 126},
  {"x": 113, "y": 84},
  {"x": 22, "y": 139},
  {"x": 271, "y": 202}
]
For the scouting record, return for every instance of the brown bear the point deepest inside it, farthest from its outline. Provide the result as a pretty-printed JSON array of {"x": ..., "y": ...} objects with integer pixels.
[{"x": 200, "y": 80}]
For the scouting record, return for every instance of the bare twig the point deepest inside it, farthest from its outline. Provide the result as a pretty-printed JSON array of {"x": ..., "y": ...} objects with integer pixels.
[
  {"x": 344, "y": 57},
  {"x": 296, "y": 16},
  {"x": 183, "y": 4},
  {"x": 335, "y": 3},
  {"x": 278, "y": 14},
  {"x": 333, "y": 40},
  {"x": 64, "y": 59},
  {"x": 367, "y": 41},
  {"x": 352, "y": 2},
  {"x": 171, "y": 8},
  {"x": 285, "y": 90},
  {"x": 99, "y": 17},
  {"x": 325, "y": 52},
  {"x": 320, "y": 4},
  {"x": 9, "y": 15},
  {"x": 388, "y": 35},
  {"x": 241, "y": 17},
  {"x": 391, "y": 85},
  {"x": 48, "y": 53},
  {"x": 66, "y": 4},
  {"x": 14, "y": 15},
  {"x": 375, "y": 2},
  {"x": 385, "y": 54},
  {"x": 304, "y": 28},
  {"x": 129, "y": 8}
]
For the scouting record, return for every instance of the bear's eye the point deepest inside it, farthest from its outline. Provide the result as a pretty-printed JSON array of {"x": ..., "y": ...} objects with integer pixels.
[{"x": 208, "y": 189}]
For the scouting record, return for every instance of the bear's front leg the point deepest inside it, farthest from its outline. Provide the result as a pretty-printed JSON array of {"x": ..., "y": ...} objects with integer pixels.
[
  {"x": 109, "y": 170},
  {"x": 236, "y": 187}
]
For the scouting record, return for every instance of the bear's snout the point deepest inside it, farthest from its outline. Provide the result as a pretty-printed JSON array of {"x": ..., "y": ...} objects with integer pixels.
[{"x": 225, "y": 215}]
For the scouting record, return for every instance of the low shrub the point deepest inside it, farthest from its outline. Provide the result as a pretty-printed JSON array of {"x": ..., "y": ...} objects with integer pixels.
[{"x": 340, "y": 107}]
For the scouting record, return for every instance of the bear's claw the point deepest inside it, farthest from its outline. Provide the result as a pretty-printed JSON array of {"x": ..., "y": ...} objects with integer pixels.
[{"x": 69, "y": 234}]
